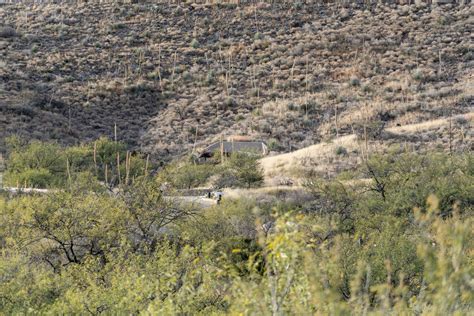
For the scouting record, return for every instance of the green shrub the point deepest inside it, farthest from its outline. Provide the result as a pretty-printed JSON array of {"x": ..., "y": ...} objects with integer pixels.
[
  {"x": 418, "y": 75},
  {"x": 210, "y": 78},
  {"x": 187, "y": 175},
  {"x": 44, "y": 162},
  {"x": 275, "y": 145},
  {"x": 401, "y": 182},
  {"x": 36, "y": 178},
  {"x": 341, "y": 151},
  {"x": 354, "y": 82},
  {"x": 240, "y": 170},
  {"x": 367, "y": 88},
  {"x": 194, "y": 43},
  {"x": 229, "y": 102},
  {"x": 292, "y": 107},
  {"x": 117, "y": 26},
  {"x": 258, "y": 36}
]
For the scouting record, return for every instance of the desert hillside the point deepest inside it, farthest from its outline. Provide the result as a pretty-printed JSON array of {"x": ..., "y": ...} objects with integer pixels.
[{"x": 170, "y": 76}]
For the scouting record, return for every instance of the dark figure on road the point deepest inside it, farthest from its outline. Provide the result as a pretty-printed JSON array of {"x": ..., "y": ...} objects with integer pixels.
[{"x": 218, "y": 196}]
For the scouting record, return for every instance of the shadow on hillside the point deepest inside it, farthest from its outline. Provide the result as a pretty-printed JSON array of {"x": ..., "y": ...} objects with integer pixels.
[{"x": 44, "y": 118}]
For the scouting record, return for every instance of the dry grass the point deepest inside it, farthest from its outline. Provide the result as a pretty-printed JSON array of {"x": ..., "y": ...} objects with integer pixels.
[
  {"x": 429, "y": 125},
  {"x": 237, "y": 193},
  {"x": 294, "y": 194},
  {"x": 323, "y": 156},
  {"x": 290, "y": 163}
]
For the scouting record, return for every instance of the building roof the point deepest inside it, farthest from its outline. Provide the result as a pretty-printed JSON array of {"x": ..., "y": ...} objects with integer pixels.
[{"x": 258, "y": 147}]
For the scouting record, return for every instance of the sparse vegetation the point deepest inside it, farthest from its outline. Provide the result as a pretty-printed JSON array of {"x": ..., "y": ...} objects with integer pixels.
[
  {"x": 79, "y": 84},
  {"x": 363, "y": 205}
]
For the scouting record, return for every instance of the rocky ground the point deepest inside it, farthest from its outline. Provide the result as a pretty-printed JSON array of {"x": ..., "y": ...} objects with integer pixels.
[{"x": 171, "y": 76}]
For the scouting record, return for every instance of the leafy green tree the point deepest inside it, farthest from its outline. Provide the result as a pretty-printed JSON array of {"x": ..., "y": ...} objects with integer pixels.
[
  {"x": 332, "y": 197},
  {"x": 34, "y": 164},
  {"x": 186, "y": 174},
  {"x": 79, "y": 158},
  {"x": 149, "y": 211},
  {"x": 248, "y": 169},
  {"x": 63, "y": 227},
  {"x": 401, "y": 182},
  {"x": 241, "y": 170}
]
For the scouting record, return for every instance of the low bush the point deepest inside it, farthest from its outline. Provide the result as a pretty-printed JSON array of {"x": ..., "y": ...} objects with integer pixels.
[
  {"x": 7, "y": 32},
  {"x": 341, "y": 151},
  {"x": 194, "y": 43}
]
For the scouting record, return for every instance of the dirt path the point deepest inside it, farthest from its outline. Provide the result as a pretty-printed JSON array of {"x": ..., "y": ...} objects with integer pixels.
[{"x": 196, "y": 201}]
